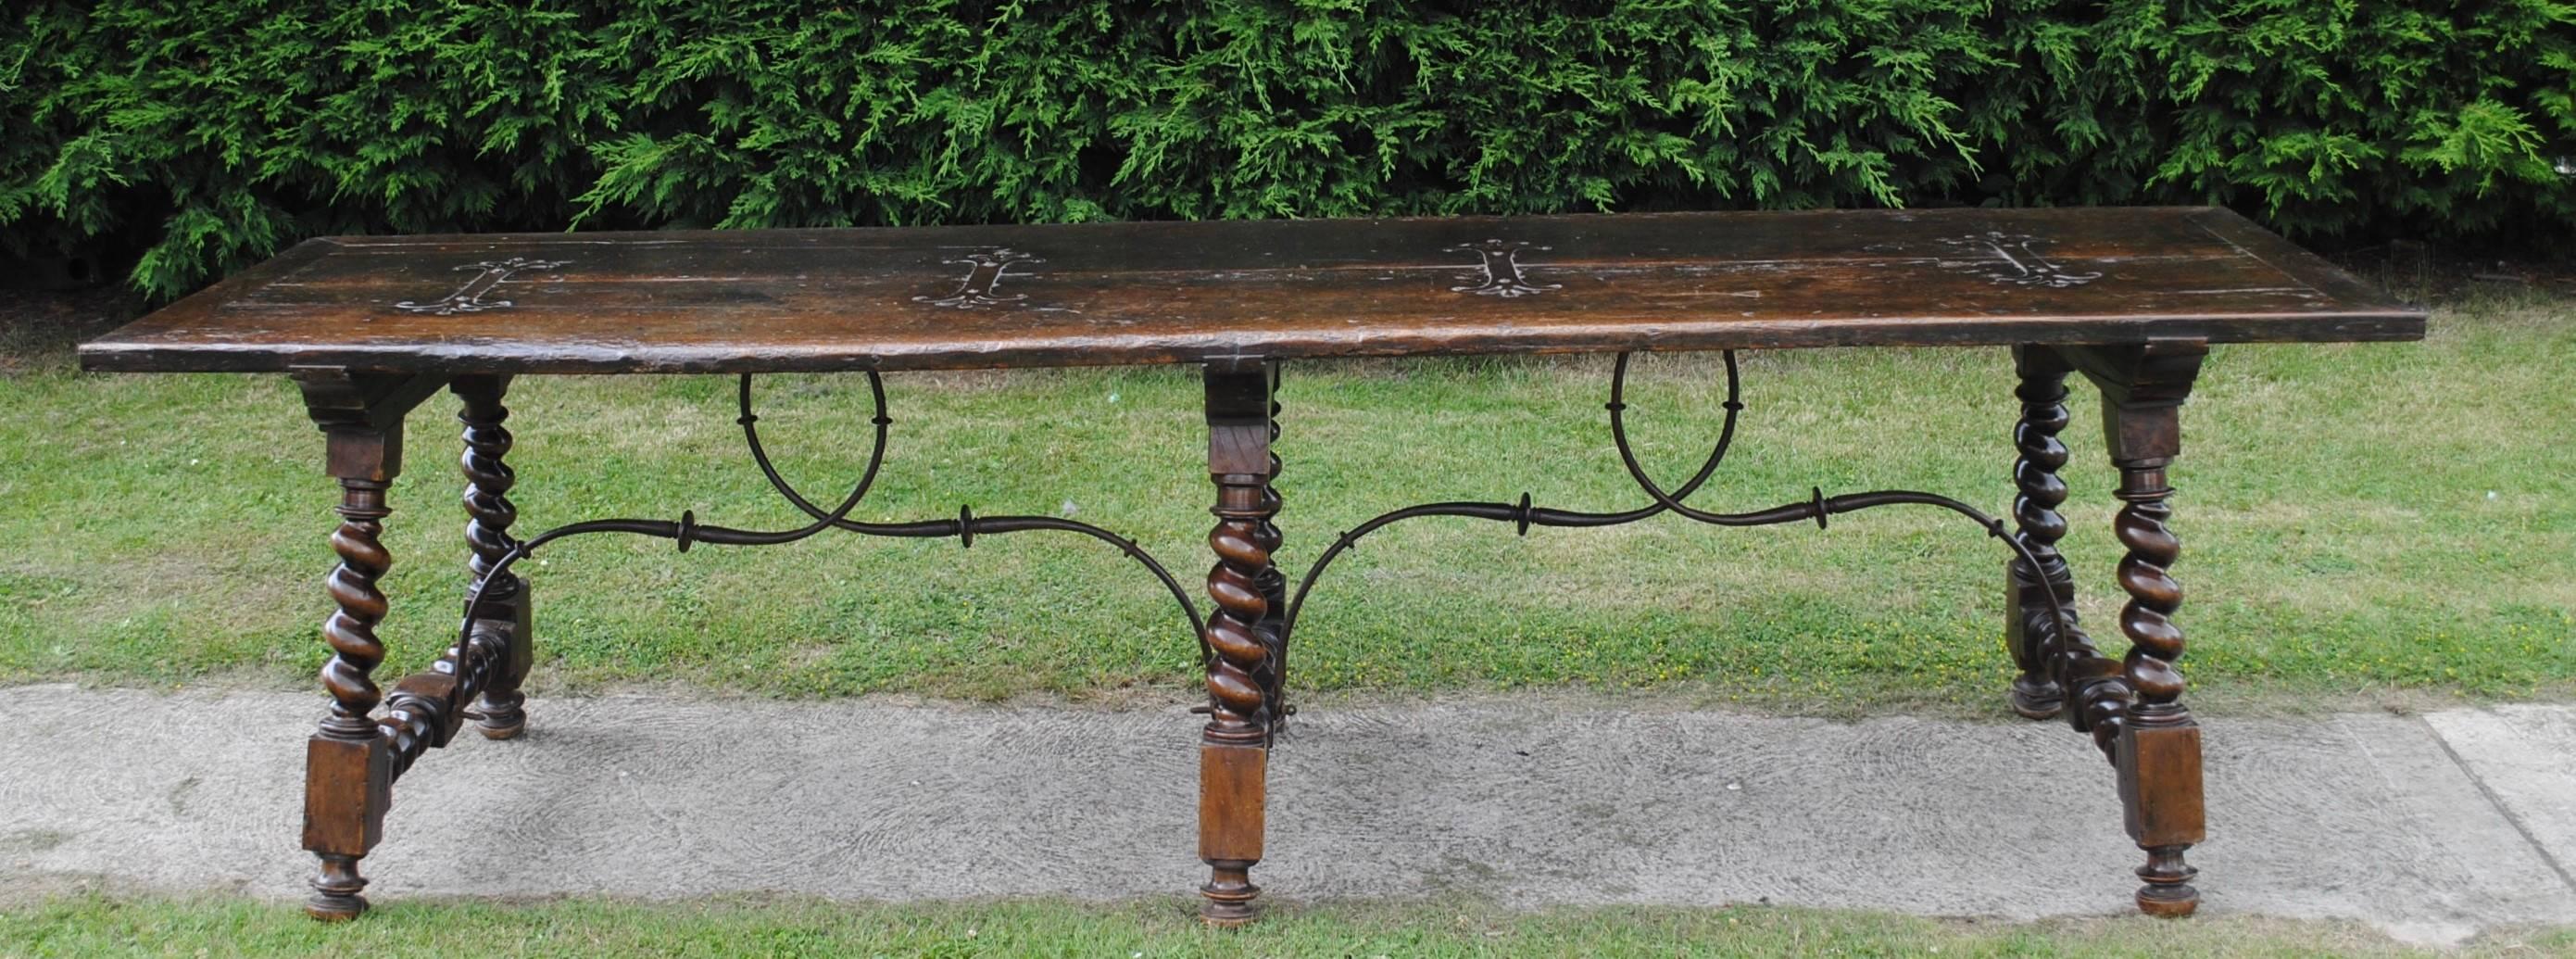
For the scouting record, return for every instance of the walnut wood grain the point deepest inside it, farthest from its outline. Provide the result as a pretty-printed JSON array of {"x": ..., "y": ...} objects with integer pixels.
[
  {"x": 349, "y": 763},
  {"x": 2131, "y": 298},
  {"x": 1242, "y": 639},
  {"x": 2032, "y": 620},
  {"x": 501, "y": 713},
  {"x": 1145, "y": 293},
  {"x": 2157, "y": 744}
]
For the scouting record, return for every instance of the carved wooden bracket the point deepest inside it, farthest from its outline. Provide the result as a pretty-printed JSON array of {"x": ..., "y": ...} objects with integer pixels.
[
  {"x": 2143, "y": 388},
  {"x": 362, "y": 413}
]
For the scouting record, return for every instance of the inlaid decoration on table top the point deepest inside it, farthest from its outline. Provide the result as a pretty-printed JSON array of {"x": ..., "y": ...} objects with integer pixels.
[
  {"x": 1001, "y": 295},
  {"x": 1501, "y": 263},
  {"x": 983, "y": 277},
  {"x": 469, "y": 297},
  {"x": 2014, "y": 258}
]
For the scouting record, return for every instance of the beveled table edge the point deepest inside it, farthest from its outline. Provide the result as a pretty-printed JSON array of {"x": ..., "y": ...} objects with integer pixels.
[{"x": 2384, "y": 320}]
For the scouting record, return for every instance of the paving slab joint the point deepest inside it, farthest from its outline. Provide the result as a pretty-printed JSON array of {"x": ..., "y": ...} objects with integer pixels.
[{"x": 2501, "y": 807}]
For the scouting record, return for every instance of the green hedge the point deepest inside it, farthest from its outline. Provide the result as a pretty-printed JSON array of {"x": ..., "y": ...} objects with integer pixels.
[{"x": 205, "y": 134}]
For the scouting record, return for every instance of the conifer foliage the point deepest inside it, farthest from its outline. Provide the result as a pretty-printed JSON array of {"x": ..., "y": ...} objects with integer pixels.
[{"x": 206, "y": 134}]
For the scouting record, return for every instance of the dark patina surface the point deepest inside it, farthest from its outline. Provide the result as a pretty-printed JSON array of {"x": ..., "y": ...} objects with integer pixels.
[
  {"x": 1132, "y": 293},
  {"x": 2128, "y": 299}
]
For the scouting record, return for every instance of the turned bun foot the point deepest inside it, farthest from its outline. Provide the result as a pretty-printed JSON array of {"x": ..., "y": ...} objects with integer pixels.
[
  {"x": 1227, "y": 913},
  {"x": 335, "y": 892},
  {"x": 331, "y": 908},
  {"x": 2037, "y": 699},
  {"x": 1230, "y": 894},
  {"x": 2168, "y": 902},
  {"x": 1228, "y": 916},
  {"x": 2168, "y": 892},
  {"x": 499, "y": 721}
]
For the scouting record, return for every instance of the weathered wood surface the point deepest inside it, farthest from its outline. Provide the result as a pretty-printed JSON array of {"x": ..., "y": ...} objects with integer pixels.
[{"x": 1139, "y": 293}]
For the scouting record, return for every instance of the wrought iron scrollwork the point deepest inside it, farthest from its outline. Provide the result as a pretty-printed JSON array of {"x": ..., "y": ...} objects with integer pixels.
[
  {"x": 1523, "y": 514},
  {"x": 687, "y": 531}
]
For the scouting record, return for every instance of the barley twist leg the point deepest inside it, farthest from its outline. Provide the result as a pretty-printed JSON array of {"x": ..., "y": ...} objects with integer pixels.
[
  {"x": 2156, "y": 746},
  {"x": 2159, "y": 726},
  {"x": 359, "y": 604},
  {"x": 1234, "y": 746},
  {"x": 1273, "y": 581},
  {"x": 2029, "y": 630},
  {"x": 348, "y": 762},
  {"x": 501, "y": 712},
  {"x": 343, "y": 757}
]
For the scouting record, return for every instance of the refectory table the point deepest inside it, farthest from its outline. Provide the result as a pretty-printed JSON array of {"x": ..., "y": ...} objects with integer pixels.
[{"x": 369, "y": 327}]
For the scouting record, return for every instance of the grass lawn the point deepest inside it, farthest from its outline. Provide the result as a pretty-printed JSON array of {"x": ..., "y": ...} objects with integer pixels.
[
  {"x": 2361, "y": 521},
  {"x": 85, "y": 926}
]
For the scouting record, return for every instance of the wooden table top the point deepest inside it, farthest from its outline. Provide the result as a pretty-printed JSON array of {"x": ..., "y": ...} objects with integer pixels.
[{"x": 1137, "y": 293}]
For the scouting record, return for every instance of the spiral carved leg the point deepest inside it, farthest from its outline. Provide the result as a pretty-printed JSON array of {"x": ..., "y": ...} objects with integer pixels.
[
  {"x": 360, "y": 605},
  {"x": 349, "y": 761},
  {"x": 2159, "y": 748},
  {"x": 2157, "y": 744},
  {"x": 348, "y": 765},
  {"x": 501, "y": 712},
  {"x": 348, "y": 774},
  {"x": 2062, "y": 673},
  {"x": 1242, "y": 642},
  {"x": 2036, "y": 693},
  {"x": 1274, "y": 581}
]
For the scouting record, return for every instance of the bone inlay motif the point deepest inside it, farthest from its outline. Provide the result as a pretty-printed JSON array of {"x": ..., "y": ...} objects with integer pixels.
[
  {"x": 1502, "y": 269},
  {"x": 2020, "y": 264},
  {"x": 984, "y": 273},
  {"x": 469, "y": 298}
]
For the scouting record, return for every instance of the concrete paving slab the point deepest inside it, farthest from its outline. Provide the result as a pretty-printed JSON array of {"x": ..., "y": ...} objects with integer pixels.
[
  {"x": 2524, "y": 758},
  {"x": 1528, "y": 802}
]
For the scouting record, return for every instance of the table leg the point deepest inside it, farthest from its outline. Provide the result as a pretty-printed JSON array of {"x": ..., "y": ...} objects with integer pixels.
[
  {"x": 349, "y": 763},
  {"x": 1234, "y": 748},
  {"x": 1274, "y": 581},
  {"x": 500, "y": 713},
  {"x": 348, "y": 769},
  {"x": 2042, "y": 391},
  {"x": 2158, "y": 749}
]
